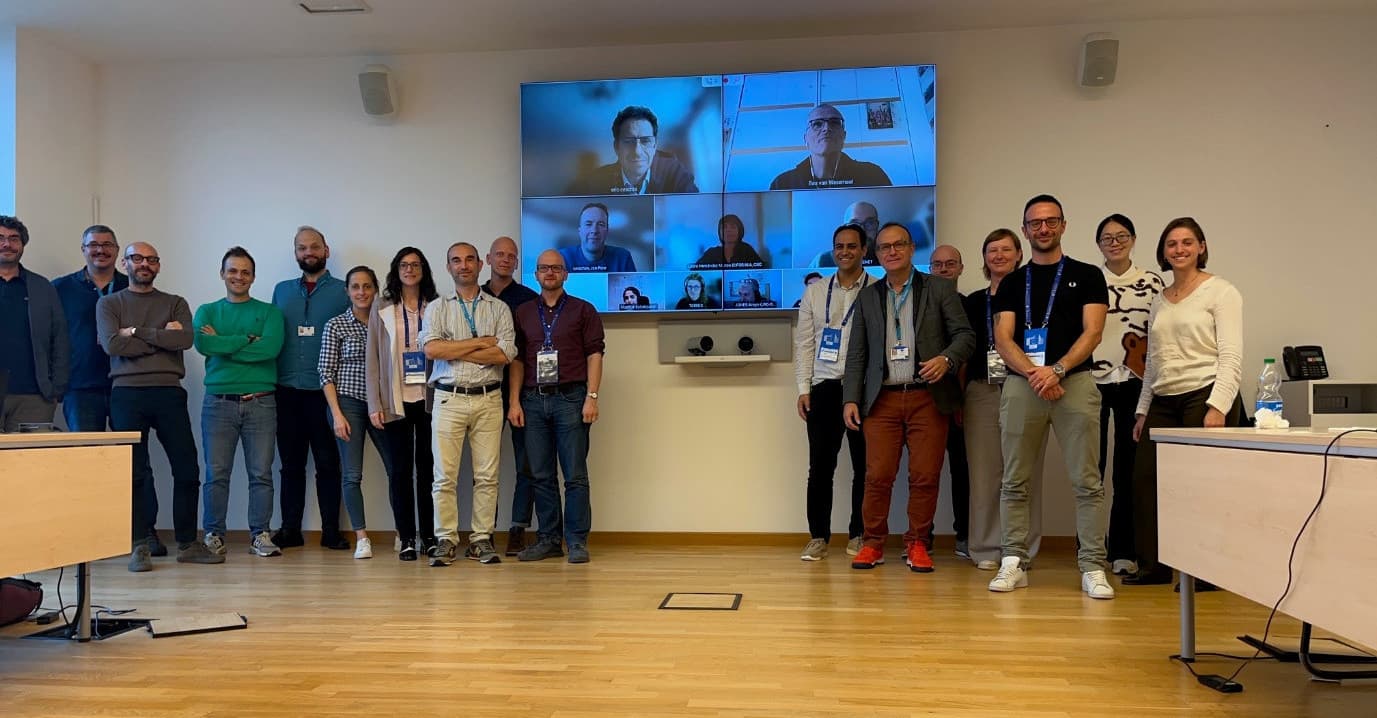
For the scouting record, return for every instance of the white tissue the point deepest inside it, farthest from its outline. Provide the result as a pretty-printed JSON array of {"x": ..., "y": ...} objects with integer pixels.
[{"x": 1268, "y": 419}]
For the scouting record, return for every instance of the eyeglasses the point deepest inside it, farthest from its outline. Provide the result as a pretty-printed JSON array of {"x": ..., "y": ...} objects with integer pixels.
[
  {"x": 101, "y": 245},
  {"x": 826, "y": 122},
  {"x": 630, "y": 142},
  {"x": 1120, "y": 238},
  {"x": 948, "y": 264},
  {"x": 6, "y": 238},
  {"x": 544, "y": 268},
  {"x": 410, "y": 265},
  {"x": 892, "y": 246},
  {"x": 141, "y": 259},
  {"x": 1052, "y": 223}
]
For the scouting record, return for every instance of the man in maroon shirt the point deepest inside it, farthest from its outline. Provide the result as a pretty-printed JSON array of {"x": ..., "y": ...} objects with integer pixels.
[{"x": 554, "y": 395}]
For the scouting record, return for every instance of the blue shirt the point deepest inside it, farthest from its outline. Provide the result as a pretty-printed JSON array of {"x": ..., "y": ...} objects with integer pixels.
[
  {"x": 16, "y": 351},
  {"x": 296, "y": 365},
  {"x": 614, "y": 259},
  {"x": 78, "y": 294}
]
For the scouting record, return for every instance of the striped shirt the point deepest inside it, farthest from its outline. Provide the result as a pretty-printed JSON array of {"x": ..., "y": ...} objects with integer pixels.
[
  {"x": 446, "y": 321},
  {"x": 342, "y": 355}
]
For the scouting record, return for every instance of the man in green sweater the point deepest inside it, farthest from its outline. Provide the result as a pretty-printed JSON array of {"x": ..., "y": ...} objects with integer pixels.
[
  {"x": 145, "y": 332},
  {"x": 240, "y": 338}
]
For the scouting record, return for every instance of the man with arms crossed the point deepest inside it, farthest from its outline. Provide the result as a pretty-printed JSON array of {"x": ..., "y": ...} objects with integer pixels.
[
  {"x": 503, "y": 260},
  {"x": 1049, "y": 316},
  {"x": 468, "y": 334},
  {"x": 820, "y": 340},
  {"x": 557, "y": 374},
  {"x": 145, "y": 333},
  {"x": 240, "y": 338},
  {"x": 910, "y": 334}
]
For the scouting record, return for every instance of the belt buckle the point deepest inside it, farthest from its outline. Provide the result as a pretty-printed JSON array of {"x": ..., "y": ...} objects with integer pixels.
[{"x": 547, "y": 389}]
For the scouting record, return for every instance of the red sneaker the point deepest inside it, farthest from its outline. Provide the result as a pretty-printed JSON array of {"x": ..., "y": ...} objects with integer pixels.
[
  {"x": 917, "y": 558},
  {"x": 869, "y": 557}
]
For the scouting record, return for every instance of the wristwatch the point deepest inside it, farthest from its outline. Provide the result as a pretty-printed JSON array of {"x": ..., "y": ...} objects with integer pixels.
[
  {"x": 592, "y": 395},
  {"x": 1059, "y": 370}
]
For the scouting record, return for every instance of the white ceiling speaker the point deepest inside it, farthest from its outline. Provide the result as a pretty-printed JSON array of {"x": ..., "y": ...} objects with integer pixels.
[
  {"x": 1099, "y": 60},
  {"x": 379, "y": 92}
]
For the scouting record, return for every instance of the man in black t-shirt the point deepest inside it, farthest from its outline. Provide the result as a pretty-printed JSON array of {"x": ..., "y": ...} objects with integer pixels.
[{"x": 1049, "y": 316}]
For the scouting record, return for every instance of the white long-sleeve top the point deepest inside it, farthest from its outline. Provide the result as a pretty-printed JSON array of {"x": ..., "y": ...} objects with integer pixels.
[
  {"x": 1195, "y": 342},
  {"x": 812, "y": 319}
]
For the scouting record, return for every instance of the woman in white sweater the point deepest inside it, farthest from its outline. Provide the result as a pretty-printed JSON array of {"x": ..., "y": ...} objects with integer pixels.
[{"x": 1194, "y": 370}]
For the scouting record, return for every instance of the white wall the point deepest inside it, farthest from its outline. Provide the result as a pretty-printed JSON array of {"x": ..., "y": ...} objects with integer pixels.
[
  {"x": 7, "y": 109},
  {"x": 55, "y": 150},
  {"x": 1260, "y": 128}
]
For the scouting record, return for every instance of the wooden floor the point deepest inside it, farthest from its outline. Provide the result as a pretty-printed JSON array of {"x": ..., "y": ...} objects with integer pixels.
[{"x": 332, "y": 636}]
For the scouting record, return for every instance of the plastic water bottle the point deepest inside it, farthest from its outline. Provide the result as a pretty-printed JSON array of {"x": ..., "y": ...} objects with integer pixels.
[{"x": 1269, "y": 388}]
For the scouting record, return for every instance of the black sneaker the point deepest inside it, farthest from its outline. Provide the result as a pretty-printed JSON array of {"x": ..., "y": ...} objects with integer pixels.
[
  {"x": 429, "y": 546},
  {"x": 288, "y": 538},
  {"x": 444, "y": 553},
  {"x": 335, "y": 542},
  {"x": 578, "y": 553},
  {"x": 540, "y": 551},
  {"x": 156, "y": 547},
  {"x": 482, "y": 551}
]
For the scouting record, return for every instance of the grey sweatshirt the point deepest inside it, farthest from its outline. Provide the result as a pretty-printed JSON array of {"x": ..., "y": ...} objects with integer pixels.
[{"x": 153, "y": 356}]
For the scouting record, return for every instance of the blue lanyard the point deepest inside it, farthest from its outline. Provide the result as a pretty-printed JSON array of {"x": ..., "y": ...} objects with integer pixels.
[
  {"x": 899, "y": 302},
  {"x": 1028, "y": 295},
  {"x": 827, "y": 311},
  {"x": 549, "y": 327},
  {"x": 420, "y": 323},
  {"x": 468, "y": 316}
]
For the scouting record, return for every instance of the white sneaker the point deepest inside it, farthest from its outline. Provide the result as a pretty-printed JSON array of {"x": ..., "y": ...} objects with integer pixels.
[
  {"x": 1125, "y": 567},
  {"x": 397, "y": 544},
  {"x": 853, "y": 545},
  {"x": 816, "y": 550},
  {"x": 986, "y": 565},
  {"x": 364, "y": 549},
  {"x": 1010, "y": 576},
  {"x": 1096, "y": 585}
]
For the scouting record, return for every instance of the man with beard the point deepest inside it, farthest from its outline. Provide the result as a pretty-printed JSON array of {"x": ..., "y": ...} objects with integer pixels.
[
  {"x": 824, "y": 134},
  {"x": 303, "y": 421},
  {"x": 34, "y": 353},
  {"x": 145, "y": 332}
]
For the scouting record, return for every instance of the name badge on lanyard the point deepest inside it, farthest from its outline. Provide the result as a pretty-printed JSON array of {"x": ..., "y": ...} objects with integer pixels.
[
  {"x": 547, "y": 359},
  {"x": 996, "y": 371},
  {"x": 1035, "y": 340},
  {"x": 897, "y": 300},
  {"x": 413, "y": 360},
  {"x": 829, "y": 344}
]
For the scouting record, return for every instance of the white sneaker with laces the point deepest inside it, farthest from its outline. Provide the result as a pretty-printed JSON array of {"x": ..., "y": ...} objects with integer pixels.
[
  {"x": 1096, "y": 585},
  {"x": 1124, "y": 567},
  {"x": 816, "y": 550},
  {"x": 363, "y": 549},
  {"x": 1011, "y": 576}
]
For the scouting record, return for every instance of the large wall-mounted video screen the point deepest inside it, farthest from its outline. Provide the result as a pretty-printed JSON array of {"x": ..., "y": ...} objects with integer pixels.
[{"x": 719, "y": 193}]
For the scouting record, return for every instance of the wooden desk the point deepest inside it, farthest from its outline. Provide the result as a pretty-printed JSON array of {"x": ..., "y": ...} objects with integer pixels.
[
  {"x": 66, "y": 500},
  {"x": 1231, "y": 501}
]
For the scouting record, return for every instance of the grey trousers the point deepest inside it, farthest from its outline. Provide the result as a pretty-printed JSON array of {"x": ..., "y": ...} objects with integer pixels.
[
  {"x": 986, "y": 457},
  {"x": 25, "y": 409},
  {"x": 1076, "y": 419}
]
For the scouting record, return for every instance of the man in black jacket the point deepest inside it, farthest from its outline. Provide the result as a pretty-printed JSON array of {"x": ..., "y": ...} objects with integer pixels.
[{"x": 826, "y": 165}]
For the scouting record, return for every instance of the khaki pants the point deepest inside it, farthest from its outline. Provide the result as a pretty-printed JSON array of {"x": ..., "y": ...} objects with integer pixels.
[
  {"x": 987, "y": 475},
  {"x": 477, "y": 418},
  {"x": 1076, "y": 419}
]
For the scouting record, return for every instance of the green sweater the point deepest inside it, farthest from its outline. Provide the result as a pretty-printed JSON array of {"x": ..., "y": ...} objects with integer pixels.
[{"x": 235, "y": 362}]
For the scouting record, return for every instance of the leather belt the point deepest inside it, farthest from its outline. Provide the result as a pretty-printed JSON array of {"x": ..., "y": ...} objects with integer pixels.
[
  {"x": 243, "y": 397},
  {"x": 468, "y": 390},
  {"x": 914, "y": 386},
  {"x": 558, "y": 388}
]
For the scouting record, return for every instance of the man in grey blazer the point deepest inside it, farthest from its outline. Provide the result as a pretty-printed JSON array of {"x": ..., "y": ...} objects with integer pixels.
[{"x": 910, "y": 334}]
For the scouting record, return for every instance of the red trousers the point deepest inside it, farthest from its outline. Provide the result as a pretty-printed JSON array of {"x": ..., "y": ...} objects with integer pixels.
[{"x": 898, "y": 419}]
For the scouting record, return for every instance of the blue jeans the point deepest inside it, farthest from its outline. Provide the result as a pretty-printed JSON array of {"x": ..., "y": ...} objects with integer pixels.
[
  {"x": 225, "y": 423},
  {"x": 555, "y": 431},
  {"x": 351, "y": 455},
  {"x": 162, "y": 409},
  {"x": 86, "y": 409}
]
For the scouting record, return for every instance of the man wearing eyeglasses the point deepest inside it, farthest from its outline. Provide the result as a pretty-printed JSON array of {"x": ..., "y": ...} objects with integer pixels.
[
  {"x": 554, "y": 383},
  {"x": 865, "y": 216},
  {"x": 910, "y": 335},
  {"x": 34, "y": 353},
  {"x": 945, "y": 261},
  {"x": 641, "y": 167},
  {"x": 1049, "y": 317},
  {"x": 145, "y": 331},
  {"x": 824, "y": 134}
]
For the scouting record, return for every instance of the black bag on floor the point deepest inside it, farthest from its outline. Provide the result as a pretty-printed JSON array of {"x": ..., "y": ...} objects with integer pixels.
[{"x": 18, "y": 599}]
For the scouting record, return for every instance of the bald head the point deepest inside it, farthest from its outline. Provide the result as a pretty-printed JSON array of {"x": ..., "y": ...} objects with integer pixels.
[
  {"x": 946, "y": 262},
  {"x": 143, "y": 264},
  {"x": 551, "y": 282},
  {"x": 865, "y": 215},
  {"x": 502, "y": 259}
]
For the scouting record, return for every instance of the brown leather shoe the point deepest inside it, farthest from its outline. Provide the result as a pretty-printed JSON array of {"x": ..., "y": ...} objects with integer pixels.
[{"x": 516, "y": 540}]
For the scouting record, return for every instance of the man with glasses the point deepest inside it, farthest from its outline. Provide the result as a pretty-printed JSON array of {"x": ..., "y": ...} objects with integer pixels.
[
  {"x": 554, "y": 381},
  {"x": 1049, "y": 316},
  {"x": 824, "y": 134},
  {"x": 641, "y": 167},
  {"x": 945, "y": 261},
  {"x": 469, "y": 336},
  {"x": 34, "y": 353},
  {"x": 593, "y": 253},
  {"x": 865, "y": 216},
  {"x": 910, "y": 334},
  {"x": 145, "y": 332}
]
